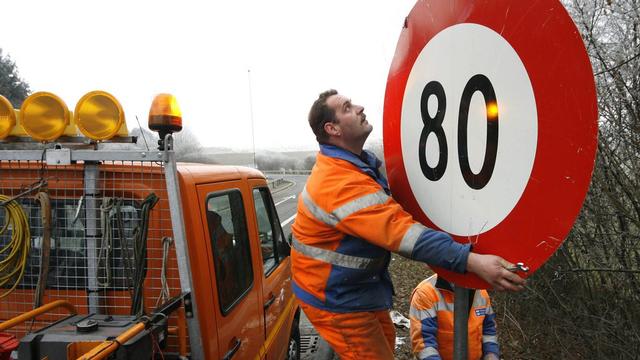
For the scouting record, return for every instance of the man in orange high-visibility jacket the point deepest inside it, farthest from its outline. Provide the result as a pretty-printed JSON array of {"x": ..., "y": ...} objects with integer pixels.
[
  {"x": 431, "y": 323},
  {"x": 345, "y": 228}
]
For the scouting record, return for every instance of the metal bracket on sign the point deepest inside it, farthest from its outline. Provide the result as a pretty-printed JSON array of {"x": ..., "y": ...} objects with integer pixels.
[{"x": 519, "y": 267}]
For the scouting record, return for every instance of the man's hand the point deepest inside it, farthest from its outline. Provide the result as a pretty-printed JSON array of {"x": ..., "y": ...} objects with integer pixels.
[
  {"x": 493, "y": 270},
  {"x": 490, "y": 356}
]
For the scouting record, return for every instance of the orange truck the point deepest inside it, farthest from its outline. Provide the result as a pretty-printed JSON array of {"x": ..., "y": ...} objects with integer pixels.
[{"x": 110, "y": 251}]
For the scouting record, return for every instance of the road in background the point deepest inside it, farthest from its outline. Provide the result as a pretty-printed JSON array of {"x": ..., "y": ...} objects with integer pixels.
[{"x": 286, "y": 199}]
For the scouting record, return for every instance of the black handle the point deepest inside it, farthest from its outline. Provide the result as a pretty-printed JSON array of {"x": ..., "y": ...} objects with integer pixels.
[
  {"x": 270, "y": 301},
  {"x": 233, "y": 350}
]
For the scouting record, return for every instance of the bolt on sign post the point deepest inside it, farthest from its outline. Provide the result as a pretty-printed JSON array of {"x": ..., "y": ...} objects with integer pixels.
[{"x": 490, "y": 125}]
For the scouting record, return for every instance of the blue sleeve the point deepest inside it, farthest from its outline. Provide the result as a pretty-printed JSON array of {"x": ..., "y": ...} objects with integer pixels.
[
  {"x": 489, "y": 335},
  {"x": 438, "y": 248},
  {"x": 429, "y": 329}
]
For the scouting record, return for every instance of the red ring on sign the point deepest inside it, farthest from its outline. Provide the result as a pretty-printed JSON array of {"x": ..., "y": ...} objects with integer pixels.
[{"x": 551, "y": 49}]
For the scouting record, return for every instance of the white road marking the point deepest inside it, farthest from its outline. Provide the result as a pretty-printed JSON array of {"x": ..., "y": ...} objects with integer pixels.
[
  {"x": 284, "y": 223},
  {"x": 285, "y": 199}
]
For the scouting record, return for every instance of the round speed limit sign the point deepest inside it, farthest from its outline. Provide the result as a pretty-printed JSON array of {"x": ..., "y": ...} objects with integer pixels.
[{"x": 490, "y": 125}]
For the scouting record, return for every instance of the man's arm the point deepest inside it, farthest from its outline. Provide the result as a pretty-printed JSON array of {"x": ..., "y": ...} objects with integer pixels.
[
  {"x": 364, "y": 210},
  {"x": 490, "y": 347}
]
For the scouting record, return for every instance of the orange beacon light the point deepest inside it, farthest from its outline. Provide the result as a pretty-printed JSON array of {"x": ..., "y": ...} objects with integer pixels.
[{"x": 165, "y": 116}]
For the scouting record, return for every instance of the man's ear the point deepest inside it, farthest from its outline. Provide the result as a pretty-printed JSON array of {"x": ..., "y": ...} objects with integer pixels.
[{"x": 332, "y": 129}]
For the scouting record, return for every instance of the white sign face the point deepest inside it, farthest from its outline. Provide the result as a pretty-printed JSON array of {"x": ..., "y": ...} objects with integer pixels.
[{"x": 469, "y": 129}]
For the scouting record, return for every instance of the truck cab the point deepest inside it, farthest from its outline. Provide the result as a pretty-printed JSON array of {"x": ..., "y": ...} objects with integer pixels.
[
  {"x": 244, "y": 277},
  {"x": 127, "y": 253}
]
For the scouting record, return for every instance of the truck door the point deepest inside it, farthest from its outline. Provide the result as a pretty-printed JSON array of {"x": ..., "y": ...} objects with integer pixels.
[
  {"x": 276, "y": 273},
  {"x": 234, "y": 287}
]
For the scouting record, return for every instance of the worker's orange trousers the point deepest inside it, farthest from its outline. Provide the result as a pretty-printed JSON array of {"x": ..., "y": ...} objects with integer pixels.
[{"x": 358, "y": 335}]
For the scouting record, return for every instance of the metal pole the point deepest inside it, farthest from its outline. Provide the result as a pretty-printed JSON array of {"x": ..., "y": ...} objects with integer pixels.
[
  {"x": 91, "y": 173},
  {"x": 461, "y": 322},
  {"x": 37, "y": 311},
  {"x": 182, "y": 251}
]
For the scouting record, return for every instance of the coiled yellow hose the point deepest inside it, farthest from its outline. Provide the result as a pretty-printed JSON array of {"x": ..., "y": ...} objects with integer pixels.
[{"x": 13, "y": 265}]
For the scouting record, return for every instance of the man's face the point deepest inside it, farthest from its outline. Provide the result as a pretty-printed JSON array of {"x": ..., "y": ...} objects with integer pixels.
[{"x": 352, "y": 122}]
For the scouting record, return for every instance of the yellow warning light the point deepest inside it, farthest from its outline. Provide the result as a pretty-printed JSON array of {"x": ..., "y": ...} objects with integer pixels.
[
  {"x": 7, "y": 117},
  {"x": 44, "y": 116},
  {"x": 99, "y": 115},
  {"x": 165, "y": 116},
  {"x": 492, "y": 110}
]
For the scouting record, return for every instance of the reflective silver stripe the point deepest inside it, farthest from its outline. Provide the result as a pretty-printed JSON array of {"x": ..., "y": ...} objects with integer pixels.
[
  {"x": 489, "y": 310},
  {"x": 445, "y": 306},
  {"x": 422, "y": 314},
  {"x": 442, "y": 305},
  {"x": 479, "y": 300},
  {"x": 489, "y": 339},
  {"x": 334, "y": 258},
  {"x": 333, "y": 218},
  {"x": 409, "y": 239},
  {"x": 319, "y": 214},
  {"x": 377, "y": 198},
  {"x": 428, "y": 351}
]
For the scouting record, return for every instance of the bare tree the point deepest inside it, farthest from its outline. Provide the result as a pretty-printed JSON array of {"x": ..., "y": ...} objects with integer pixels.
[{"x": 187, "y": 146}]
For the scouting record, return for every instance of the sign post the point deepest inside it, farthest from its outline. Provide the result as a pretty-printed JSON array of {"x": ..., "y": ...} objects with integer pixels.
[
  {"x": 490, "y": 125},
  {"x": 460, "y": 322}
]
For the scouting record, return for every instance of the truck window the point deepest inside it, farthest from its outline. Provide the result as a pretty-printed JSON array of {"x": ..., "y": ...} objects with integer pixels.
[
  {"x": 230, "y": 244},
  {"x": 268, "y": 229}
]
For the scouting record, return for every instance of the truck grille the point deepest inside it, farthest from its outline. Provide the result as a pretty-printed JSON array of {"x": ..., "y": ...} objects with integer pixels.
[{"x": 308, "y": 344}]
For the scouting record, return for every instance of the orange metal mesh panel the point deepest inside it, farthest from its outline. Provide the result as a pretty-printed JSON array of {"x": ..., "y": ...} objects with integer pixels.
[{"x": 71, "y": 253}]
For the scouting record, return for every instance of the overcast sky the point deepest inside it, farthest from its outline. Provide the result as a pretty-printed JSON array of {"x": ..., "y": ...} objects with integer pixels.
[{"x": 202, "y": 51}]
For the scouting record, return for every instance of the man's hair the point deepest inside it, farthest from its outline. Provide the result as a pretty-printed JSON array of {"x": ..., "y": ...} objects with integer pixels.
[{"x": 321, "y": 114}]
